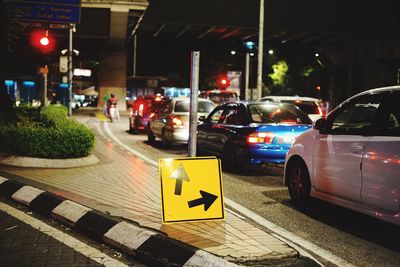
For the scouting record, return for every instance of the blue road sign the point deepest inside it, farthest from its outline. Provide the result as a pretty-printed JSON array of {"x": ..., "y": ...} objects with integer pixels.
[
  {"x": 63, "y": 2},
  {"x": 51, "y": 11}
]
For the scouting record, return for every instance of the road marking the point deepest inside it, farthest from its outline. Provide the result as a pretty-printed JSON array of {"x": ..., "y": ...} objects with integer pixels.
[
  {"x": 136, "y": 153},
  {"x": 83, "y": 248},
  {"x": 289, "y": 237},
  {"x": 285, "y": 235}
]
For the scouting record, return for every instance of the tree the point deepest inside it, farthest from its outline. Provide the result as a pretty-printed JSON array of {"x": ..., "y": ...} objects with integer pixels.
[{"x": 280, "y": 78}]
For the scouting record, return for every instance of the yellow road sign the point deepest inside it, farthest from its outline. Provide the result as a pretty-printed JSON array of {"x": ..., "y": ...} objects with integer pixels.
[{"x": 191, "y": 189}]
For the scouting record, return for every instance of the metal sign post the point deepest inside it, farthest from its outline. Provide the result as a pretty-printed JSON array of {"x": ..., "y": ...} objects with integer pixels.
[
  {"x": 70, "y": 70},
  {"x": 194, "y": 88}
]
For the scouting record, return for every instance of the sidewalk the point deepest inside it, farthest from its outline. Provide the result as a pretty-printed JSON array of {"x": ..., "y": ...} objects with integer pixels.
[{"x": 124, "y": 186}]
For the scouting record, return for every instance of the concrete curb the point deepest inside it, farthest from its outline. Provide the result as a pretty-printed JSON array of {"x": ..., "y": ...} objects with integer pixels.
[
  {"x": 148, "y": 246},
  {"x": 47, "y": 163}
]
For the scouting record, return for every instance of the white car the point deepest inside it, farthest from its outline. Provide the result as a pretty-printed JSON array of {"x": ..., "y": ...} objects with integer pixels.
[
  {"x": 308, "y": 105},
  {"x": 171, "y": 121},
  {"x": 352, "y": 157}
]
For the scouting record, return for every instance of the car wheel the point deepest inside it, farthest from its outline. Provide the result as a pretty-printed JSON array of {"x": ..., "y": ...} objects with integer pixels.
[
  {"x": 229, "y": 159},
  {"x": 150, "y": 136},
  {"x": 131, "y": 129},
  {"x": 136, "y": 126},
  {"x": 164, "y": 139},
  {"x": 298, "y": 180}
]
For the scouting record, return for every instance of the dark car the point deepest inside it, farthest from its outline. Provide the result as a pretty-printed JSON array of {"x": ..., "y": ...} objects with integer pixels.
[
  {"x": 251, "y": 133},
  {"x": 141, "y": 110}
]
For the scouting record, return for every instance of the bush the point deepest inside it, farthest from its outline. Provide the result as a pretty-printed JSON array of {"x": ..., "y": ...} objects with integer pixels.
[{"x": 50, "y": 134}]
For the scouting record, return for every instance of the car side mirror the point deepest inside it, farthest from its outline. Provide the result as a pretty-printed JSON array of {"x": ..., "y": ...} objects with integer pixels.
[
  {"x": 320, "y": 125},
  {"x": 202, "y": 118}
]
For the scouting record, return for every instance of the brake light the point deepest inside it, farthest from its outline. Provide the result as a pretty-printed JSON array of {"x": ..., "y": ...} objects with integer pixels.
[
  {"x": 260, "y": 137},
  {"x": 177, "y": 122},
  {"x": 320, "y": 111},
  {"x": 141, "y": 107}
]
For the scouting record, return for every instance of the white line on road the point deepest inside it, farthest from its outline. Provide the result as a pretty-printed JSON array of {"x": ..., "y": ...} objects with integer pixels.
[
  {"x": 88, "y": 251},
  {"x": 286, "y": 236}
]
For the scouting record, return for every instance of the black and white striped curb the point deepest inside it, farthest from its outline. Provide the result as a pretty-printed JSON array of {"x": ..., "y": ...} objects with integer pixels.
[{"x": 149, "y": 247}]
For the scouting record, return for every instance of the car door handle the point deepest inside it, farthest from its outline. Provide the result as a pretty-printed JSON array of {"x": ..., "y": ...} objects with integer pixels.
[{"x": 357, "y": 148}]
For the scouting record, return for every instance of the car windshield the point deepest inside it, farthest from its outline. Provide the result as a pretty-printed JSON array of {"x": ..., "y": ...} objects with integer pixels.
[
  {"x": 273, "y": 113},
  {"x": 222, "y": 97},
  {"x": 308, "y": 107},
  {"x": 202, "y": 106}
]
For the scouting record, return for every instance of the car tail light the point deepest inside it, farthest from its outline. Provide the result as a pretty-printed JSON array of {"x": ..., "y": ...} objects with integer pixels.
[
  {"x": 260, "y": 137},
  {"x": 320, "y": 111},
  {"x": 176, "y": 122},
  {"x": 141, "y": 107}
]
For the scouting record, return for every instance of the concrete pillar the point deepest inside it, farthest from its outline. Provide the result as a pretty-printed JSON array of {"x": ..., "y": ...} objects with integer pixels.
[{"x": 112, "y": 77}]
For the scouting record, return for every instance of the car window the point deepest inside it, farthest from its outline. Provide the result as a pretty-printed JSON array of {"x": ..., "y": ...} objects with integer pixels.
[
  {"x": 182, "y": 106},
  {"x": 202, "y": 106},
  {"x": 357, "y": 117},
  {"x": 391, "y": 117},
  {"x": 232, "y": 116},
  {"x": 216, "y": 116},
  {"x": 272, "y": 113},
  {"x": 166, "y": 107},
  {"x": 205, "y": 106},
  {"x": 309, "y": 107}
]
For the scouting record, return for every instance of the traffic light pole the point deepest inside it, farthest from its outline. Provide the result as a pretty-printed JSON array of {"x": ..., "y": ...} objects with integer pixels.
[{"x": 70, "y": 70}]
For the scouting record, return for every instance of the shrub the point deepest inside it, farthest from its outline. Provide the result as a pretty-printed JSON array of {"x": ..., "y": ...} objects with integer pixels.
[{"x": 50, "y": 134}]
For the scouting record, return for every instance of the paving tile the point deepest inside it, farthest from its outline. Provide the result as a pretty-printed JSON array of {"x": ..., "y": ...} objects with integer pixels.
[{"x": 126, "y": 186}]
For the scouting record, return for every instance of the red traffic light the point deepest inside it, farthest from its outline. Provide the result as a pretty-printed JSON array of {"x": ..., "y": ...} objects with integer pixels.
[
  {"x": 223, "y": 82},
  {"x": 42, "y": 41}
]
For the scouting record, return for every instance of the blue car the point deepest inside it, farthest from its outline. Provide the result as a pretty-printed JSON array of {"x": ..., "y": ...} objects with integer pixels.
[{"x": 250, "y": 133}]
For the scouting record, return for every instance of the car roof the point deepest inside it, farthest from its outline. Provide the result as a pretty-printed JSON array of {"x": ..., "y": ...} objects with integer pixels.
[
  {"x": 303, "y": 98},
  {"x": 370, "y": 91},
  {"x": 251, "y": 102},
  {"x": 175, "y": 99}
]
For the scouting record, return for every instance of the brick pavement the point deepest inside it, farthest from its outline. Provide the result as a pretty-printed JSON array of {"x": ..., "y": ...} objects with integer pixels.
[{"x": 123, "y": 185}]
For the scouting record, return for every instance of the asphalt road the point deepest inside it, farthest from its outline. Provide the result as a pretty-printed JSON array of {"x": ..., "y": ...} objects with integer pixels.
[{"x": 333, "y": 231}]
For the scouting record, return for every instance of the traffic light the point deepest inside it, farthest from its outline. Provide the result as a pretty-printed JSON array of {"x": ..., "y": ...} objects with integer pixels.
[
  {"x": 42, "y": 41},
  {"x": 223, "y": 82}
]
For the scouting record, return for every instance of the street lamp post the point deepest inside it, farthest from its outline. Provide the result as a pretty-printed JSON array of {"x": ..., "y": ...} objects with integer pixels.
[
  {"x": 260, "y": 50},
  {"x": 70, "y": 70}
]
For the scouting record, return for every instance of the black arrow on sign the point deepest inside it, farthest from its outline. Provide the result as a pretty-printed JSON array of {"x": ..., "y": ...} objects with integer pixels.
[
  {"x": 206, "y": 198},
  {"x": 180, "y": 175}
]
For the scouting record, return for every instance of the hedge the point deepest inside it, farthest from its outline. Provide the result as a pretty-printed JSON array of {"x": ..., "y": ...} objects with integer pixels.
[{"x": 48, "y": 133}]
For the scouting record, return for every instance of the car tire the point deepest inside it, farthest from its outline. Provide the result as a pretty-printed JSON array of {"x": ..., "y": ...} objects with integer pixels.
[
  {"x": 131, "y": 129},
  {"x": 298, "y": 181},
  {"x": 229, "y": 159},
  {"x": 164, "y": 139},
  {"x": 150, "y": 136}
]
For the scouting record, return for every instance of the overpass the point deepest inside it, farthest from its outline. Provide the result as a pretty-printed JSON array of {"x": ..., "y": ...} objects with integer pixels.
[{"x": 361, "y": 42}]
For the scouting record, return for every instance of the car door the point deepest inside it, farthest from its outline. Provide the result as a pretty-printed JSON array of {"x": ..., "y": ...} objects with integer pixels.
[
  {"x": 206, "y": 132},
  {"x": 381, "y": 160},
  {"x": 338, "y": 152}
]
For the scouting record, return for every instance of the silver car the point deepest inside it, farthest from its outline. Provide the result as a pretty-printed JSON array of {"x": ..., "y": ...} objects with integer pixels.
[{"x": 171, "y": 121}]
